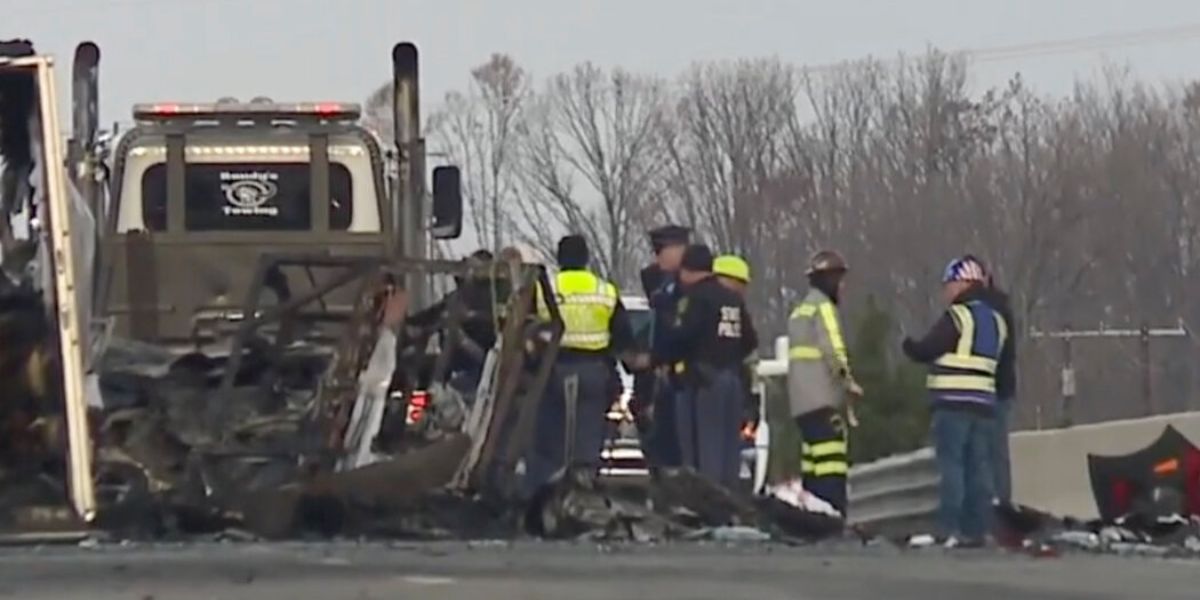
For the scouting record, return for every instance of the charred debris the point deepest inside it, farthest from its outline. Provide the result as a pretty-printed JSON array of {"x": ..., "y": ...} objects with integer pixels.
[{"x": 299, "y": 424}]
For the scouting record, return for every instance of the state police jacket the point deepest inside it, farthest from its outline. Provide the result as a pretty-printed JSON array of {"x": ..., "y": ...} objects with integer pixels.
[{"x": 712, "y": 329}]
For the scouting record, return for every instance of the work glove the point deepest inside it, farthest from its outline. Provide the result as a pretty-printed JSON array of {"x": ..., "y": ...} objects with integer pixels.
[{"x": 854, "y": 389}]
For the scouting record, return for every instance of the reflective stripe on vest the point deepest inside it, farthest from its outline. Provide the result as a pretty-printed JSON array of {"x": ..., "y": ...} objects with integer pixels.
[
  {"x": 829, "y": 319},
  {"x": 971, "y": 369},
  {"x": 587, "y": 304}
]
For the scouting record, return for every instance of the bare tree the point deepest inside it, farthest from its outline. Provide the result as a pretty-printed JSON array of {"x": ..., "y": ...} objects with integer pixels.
[
  {"x": 480, "y": 131},
  {"x": 728, "y": 167},
  {"x": 377, "y": 113},
  {"x": 594, "y": 155}
]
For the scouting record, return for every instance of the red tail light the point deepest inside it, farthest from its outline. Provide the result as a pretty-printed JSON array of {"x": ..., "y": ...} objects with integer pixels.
[
  {"x": 416, "y": 407},
  {"x": 748, "y": 431}
]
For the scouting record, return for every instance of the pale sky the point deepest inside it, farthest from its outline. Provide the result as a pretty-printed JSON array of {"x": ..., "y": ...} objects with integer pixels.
[{"x": 156, "y": 50}]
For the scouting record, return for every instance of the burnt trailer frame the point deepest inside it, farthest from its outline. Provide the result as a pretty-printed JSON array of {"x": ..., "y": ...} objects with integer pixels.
[
  {"x": 66, "y": 307},
  {"x": 510, "y": 426}
]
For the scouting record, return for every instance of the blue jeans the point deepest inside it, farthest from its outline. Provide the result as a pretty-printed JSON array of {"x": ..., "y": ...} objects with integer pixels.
[
  {"x": 1001, "y": 465},
  {"x": 963, "y": 441}
]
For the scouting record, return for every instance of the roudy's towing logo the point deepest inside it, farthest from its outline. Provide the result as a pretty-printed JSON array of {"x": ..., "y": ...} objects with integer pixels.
[{"x": 247, "y": 193}]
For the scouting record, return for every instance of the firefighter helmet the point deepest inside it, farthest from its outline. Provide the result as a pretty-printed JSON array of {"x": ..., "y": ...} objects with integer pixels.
[{"x": 826, "y": 261}]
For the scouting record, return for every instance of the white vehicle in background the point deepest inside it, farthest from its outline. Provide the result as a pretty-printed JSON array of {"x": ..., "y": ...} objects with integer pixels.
[
  {"x": 622, "y": 458},
  {"x": 622, "y": 454}
]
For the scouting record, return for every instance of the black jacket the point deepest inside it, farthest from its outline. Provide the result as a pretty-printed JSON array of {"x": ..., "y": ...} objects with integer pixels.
[
  {"x": 663, "y": 293},
  {"x": 653, "y": 278},
  {"x": 712, "y": 328},
  {"x": 943, "y": 338}
]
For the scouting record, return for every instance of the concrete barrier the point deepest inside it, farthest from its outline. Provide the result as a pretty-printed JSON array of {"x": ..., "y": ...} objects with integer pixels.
[{"x": 1050, "y": 468}]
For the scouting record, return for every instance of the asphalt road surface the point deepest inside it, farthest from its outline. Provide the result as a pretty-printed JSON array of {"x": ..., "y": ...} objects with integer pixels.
[{"x": 495, "y": 571}]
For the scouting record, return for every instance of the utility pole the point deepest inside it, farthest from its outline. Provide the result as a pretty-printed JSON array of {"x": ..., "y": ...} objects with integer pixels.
[{"x": 1144, "y": 334}]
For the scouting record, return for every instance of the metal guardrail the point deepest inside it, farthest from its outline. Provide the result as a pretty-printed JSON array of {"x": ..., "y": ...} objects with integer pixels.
[{"x": 897, "y": 494}]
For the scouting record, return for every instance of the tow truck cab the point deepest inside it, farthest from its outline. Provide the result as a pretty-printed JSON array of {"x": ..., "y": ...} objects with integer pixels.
[{"x": 195, "y": 193}]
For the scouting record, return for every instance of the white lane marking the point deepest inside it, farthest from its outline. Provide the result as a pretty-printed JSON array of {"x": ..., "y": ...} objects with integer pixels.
[{"x": 428, "y": 580}]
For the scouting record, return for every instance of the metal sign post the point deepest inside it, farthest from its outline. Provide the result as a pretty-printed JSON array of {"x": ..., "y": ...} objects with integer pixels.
[{"x": 1144, "y": 335}]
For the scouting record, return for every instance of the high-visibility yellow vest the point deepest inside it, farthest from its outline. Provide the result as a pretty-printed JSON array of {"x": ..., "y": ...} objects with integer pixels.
[
  {"x": 969, "y": 372},
  {"x": 586, "y": 303}
]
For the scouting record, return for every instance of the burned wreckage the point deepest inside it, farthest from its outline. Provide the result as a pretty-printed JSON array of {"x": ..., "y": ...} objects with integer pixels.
[{"x": 165, "y": 372}]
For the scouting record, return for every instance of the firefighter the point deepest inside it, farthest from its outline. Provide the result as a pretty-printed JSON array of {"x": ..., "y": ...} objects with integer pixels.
[
  {"x": 710, "y": 339},
  {"x": 653, "y": 402},
  {"x": 596, "y": 327},
  {"x": 820, "y": 380},
  {"x": 963, "y": 350}
]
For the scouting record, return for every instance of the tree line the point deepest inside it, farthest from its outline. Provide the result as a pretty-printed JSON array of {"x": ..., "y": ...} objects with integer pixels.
[{"x": 1085, "y": 206}]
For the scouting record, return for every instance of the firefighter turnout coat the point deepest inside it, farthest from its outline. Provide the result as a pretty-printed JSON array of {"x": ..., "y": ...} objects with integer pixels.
[{"x": 818, "y": 364}]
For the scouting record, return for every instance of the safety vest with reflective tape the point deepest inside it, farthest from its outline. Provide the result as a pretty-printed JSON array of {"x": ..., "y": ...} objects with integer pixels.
[
  {"x": 586, "y": 303},
  {"x": 968, "y": 374}
]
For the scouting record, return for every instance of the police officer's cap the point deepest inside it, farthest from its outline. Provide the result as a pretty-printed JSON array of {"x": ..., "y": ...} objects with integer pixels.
[{"x": 669, "y": 235}]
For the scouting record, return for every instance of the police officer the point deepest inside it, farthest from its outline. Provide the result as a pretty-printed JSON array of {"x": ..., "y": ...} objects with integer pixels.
[
  {"x": 711, "y": 337},
  {"x": 596, "y": 327},
  {"x": 733, "y": 272},
  {"x": 653, "y": 402},
  {"x": 820, "y": 380},
  {"x": 963, "y": 350}
]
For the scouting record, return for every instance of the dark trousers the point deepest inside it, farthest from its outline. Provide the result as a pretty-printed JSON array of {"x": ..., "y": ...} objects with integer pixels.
[
  {"x": 658, "y": 434},
  {"x": 824, "y": 459},
  {"x": 547, "y": 453},
  {"x": 963, "y": 442},
  {"x": 709, "y": 423}
]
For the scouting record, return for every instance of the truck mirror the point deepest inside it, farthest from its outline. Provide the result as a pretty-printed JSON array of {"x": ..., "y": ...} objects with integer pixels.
[{"x": 447, "y": 203}]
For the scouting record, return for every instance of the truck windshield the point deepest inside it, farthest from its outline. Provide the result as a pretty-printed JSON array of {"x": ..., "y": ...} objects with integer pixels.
[{"x": 247, "y": 197}]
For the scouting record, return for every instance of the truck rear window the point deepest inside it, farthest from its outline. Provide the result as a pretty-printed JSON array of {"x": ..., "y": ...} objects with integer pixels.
[{"x": 247, "y": 197}]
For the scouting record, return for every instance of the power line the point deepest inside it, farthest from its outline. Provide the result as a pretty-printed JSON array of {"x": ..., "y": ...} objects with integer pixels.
[
  {"x": 1103, "y": 41},
  {"x": 1088, "y": 43}
]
